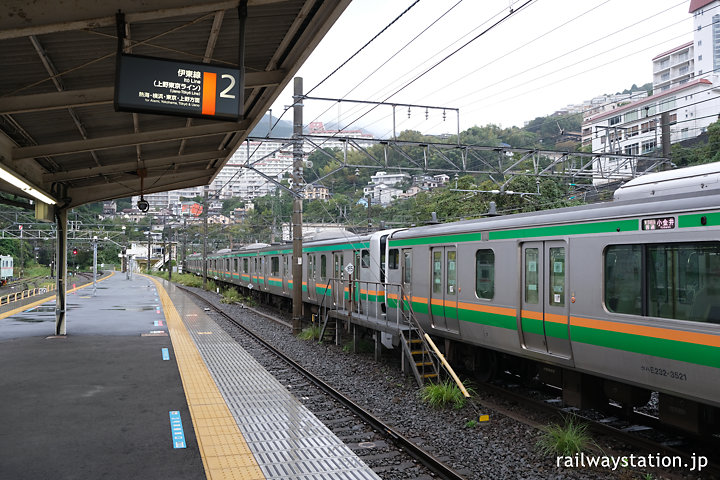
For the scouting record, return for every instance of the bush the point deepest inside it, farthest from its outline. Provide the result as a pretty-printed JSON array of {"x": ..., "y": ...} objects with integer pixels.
[
  {"x": 231, "y": 295},
  {"x": 566, "y": 440}
]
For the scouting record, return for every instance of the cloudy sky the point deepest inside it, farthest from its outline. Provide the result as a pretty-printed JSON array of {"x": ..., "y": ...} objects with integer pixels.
[{"x": 543, "y": 56}]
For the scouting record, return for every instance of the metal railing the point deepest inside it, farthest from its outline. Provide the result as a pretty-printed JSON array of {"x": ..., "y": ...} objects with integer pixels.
[{"x": 17, "y": 296}]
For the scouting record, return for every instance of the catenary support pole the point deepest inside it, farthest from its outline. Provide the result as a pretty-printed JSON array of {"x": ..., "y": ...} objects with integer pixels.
[
  {"x": 297, "y": 206},
  {"x": 205, "y": 234}
]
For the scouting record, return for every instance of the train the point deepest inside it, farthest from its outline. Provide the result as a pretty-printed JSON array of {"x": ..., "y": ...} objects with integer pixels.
[
  {"x": 6, "y": 268},
  {"x": 609, "y": 301}
]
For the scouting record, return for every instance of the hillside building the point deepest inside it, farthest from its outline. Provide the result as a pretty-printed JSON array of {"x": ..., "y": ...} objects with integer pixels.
[{"x": 685, "y": 85}]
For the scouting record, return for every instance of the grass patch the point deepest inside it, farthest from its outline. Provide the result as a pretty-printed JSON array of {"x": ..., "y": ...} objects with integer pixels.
[
  {"x": 309, "y": 333},
  {"x": 443, "y": 395},
  {"x": 568, "y": 439},
  {"x": 231, "y": 295}
]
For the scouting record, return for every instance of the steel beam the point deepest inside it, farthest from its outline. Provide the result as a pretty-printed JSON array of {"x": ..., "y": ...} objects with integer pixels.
[{"x": 64, "y": 148}]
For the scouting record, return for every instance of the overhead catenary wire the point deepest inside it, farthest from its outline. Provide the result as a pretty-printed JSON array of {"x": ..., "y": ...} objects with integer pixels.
[
  {"x": 592, "y": 42},
  {"x": 423, "y": 31},
  {"x": 391, "y": 85}
]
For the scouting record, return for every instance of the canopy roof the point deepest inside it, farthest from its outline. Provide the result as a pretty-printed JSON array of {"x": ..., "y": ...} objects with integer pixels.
[{"x": 59, "y": 130}]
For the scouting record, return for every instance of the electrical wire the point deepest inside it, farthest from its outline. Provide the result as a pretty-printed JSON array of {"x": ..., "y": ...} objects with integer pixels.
[{"x": 388, "y": 60}]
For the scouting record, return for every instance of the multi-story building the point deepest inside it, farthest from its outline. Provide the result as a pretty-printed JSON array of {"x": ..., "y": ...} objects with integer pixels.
[
  {"x": 706, "y": 20},
  {"x": 685, "y": 86},
  {"x": 674, "y": 67},
  {"x": 635, "y": 128},
  {"x": 246, "y": 173},
  {"x": 333, "y": 136},
  {"x": 381, "y": 187},
  {"x": 316, "y": 192}
]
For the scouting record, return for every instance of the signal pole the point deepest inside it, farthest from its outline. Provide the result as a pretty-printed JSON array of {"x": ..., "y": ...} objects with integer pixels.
[{"x": 297, "y": 206}]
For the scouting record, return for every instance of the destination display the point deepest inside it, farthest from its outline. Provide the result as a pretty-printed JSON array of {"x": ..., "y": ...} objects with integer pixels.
[
  {"x": 156, "y": 85},
  {"x": 665, "y": 223}
]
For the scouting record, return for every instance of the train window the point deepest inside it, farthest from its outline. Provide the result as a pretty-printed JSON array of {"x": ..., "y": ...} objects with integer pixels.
[
  {"x": 451, "y": 272},
  {"x": 274, "y": 265},
  {"x": 311, "y": 266},
  {"x": 531, "y": 275},
  {"x": 365, "y": 259},
  {"x": 245, "y": 265},
  {"x": 237, "y": 265},
  {"x": 485, "y": 274},
  {"x": 394, "y": 259},
  {"x": 623, "y": 279},
  {"x": 684, "y": 281},
  {"x": 679, "y": 281},
  {"x": 407, "y": 270},
  {"x": 437, "y": 272},
  {"x": 557, "y": 277},
  {"x": 323, "y": 267}
]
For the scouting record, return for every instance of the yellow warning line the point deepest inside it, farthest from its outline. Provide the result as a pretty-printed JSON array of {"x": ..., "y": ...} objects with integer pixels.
[
  {"x": 48, "y": 298},
  {"x": 225, "y": 454}
]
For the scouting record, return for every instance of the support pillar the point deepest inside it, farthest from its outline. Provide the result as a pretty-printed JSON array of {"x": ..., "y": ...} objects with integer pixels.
[
  {"x": 61, "y": 280},
  {"x": 378, "y": 344}
]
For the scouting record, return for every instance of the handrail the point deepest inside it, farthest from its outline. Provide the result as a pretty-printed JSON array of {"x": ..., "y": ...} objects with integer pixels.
[{"x": 25, "y": 294}]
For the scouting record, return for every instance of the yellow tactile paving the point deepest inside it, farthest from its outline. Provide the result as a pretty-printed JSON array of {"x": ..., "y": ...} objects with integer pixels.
[{"x": 224, "y": 452}]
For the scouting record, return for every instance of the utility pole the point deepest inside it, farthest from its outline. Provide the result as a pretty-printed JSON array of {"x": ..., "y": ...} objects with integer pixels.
[
  {"x": 149, "y": 240},
  {"x": 94, "y": 244},
  {"x": 297, "y": 205},
  {"x": 170, "y": 257},
  {"x": 205, "y": 234},
  {"x": 665, "y": 120}
]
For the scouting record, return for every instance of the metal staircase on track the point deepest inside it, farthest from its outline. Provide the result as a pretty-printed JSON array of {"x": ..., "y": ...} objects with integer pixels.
[{"x": 421, "y": 359}]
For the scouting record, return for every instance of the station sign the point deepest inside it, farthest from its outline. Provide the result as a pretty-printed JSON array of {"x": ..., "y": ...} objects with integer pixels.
[{"x": 168, "y": 87}]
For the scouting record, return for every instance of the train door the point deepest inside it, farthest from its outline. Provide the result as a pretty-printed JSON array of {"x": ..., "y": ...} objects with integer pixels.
[
  {"x": 544, "y": 313},
  {"x": 286, "y": 273},
  {"x": 264, "y": 270},
  {"x": 443, "y": 292},
  {"x": 406, "y": 273},
  {"x": 338, "y": 286},
  {"x": 311, "y": 268},
  {"x": 364, "y": 285}
]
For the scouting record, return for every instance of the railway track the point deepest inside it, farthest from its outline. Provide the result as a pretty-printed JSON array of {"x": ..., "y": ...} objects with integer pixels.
[
  {"x": 641, "y": 433},
  {"x": 390, "y": 454}
]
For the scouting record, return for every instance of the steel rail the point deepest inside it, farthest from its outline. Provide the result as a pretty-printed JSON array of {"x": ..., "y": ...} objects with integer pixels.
[{"x": 429, "y": 461}]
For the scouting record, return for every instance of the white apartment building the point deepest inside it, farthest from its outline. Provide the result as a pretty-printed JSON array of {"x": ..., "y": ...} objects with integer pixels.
[
  {"x": 318, "y": 128},
  {"x": 674, "y": 67},
  {"x": 684, "y": 85},
  {"x": 381, "y": 187},
  {"x": 706, "y": 20},
  {"x": 271, "y": 159},
  {"x": 171, "y": 199}
]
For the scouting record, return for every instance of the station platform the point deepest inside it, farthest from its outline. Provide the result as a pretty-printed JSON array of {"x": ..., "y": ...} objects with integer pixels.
[{"x": 146, "y": 385}]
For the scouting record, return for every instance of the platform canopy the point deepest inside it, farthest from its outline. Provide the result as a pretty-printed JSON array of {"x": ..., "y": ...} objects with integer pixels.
[{"x": 59, "y": 130}]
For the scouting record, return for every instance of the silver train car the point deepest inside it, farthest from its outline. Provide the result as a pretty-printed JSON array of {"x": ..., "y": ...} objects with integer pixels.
[{"x": 606, "y": 301}]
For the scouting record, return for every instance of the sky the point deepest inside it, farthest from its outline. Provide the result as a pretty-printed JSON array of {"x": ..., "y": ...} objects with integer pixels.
[{"x": 544, "y": 55}]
